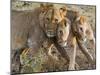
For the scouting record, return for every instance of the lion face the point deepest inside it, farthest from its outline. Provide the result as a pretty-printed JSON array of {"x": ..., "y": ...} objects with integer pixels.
[
  {"x": 63, "y": 32},
  {"x": 81, "y": 27},
  {"x": 51, "y": 20}
]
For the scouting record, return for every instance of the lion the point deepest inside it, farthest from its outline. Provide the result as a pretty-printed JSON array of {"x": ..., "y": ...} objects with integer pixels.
[
  {"x": 84, "y": 30},
  {"x": 26, "y": 32},
  {"x": 63, "y": 31},
  {"x": 29, "y": 29}
]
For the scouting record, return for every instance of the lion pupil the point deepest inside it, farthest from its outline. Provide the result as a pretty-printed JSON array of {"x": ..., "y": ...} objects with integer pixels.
[
  {"x": 81, "y": 29},
  {"x": 48, "y": 19},
  {"x": 61, "y": 32},
  {"x": 56, "y": 20}
]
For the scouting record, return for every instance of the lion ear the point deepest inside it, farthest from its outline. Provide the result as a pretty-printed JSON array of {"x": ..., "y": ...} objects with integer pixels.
[
  {"x": 49, "y": 5},
  {"x": 43, "y": 7},
  {"x": 82, "y": 19},
  {"x": 63, "y": 11}
]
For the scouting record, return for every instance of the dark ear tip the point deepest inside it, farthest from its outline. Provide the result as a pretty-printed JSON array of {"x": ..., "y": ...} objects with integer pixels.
[
  {"x": 49, "y": 5},
  {"x": 63, "y": 8},
  {"x": 41, "y": 5}
]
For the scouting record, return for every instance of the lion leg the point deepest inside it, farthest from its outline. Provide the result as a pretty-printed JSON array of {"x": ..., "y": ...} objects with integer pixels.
[
  {"x": 16, "y": 65},
  {"x": 54, "y": 53},
  {"x": 85, "y": 51},
  {"x": 92, "y": 42},
  {"x": 48, "y": 45},
  {"x": 77, "y": 67},
  {"x": 73, "y": 55},
  {"x": 91, "y": 37},
  {"x": 49, "y": 50}
]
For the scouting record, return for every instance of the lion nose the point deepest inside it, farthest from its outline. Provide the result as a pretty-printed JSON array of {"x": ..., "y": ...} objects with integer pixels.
[
  {"x": 54, "y": 20},
  {"x": 62, "y": 43},
  {"x": 59, "y": 41}
]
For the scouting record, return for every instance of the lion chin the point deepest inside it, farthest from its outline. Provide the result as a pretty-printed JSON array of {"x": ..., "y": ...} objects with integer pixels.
[
  {"x": 49, "y": 35},
  {"x": 63, "y": 44}
]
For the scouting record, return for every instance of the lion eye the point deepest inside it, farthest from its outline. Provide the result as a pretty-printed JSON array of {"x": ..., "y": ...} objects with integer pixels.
[
  {"x": 81, "y": 29},
  {"x": 47, "y": 18},
  {"x": 56, "y": 20},
  {"x": 61, "y": 33}
]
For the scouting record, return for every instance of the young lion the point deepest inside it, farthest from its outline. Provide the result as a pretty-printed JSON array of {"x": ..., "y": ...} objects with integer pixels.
[
  {"x": 81, "y": 30},
  {"x": 84, "y": 30}
]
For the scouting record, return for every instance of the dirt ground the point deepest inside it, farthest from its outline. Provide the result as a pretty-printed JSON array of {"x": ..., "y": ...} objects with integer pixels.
[{"x": 41, "y": 62}]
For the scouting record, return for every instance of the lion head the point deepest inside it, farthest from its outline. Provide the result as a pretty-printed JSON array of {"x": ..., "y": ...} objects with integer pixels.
[
  {"x": 50, "y": 17},
  {"x": 80, "y": 27},
  {"x": 63, "y": 32}
]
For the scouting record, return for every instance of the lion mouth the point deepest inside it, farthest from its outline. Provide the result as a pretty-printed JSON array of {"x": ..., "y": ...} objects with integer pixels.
[
  {"x": 62, "y": 43},
  {"x": 50, "y": 33}
]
